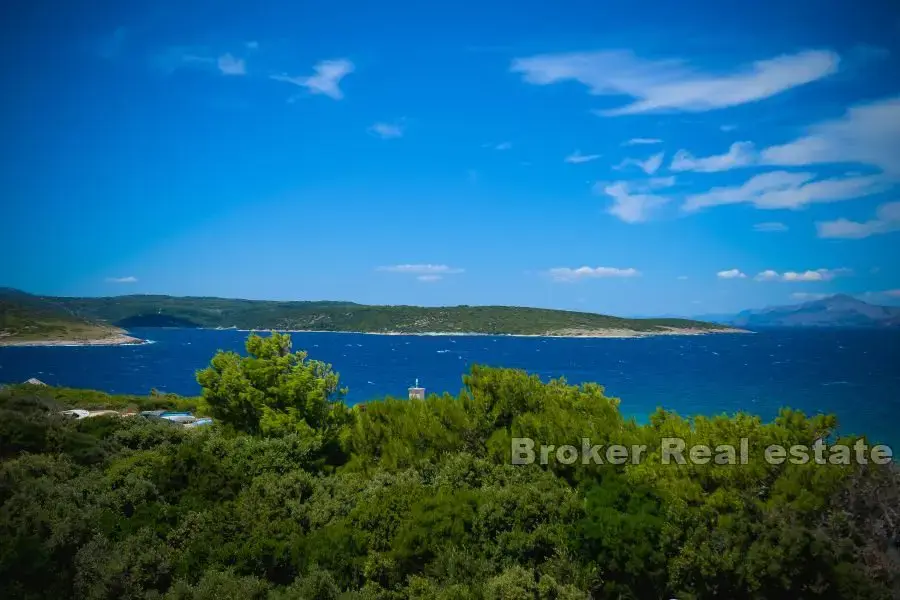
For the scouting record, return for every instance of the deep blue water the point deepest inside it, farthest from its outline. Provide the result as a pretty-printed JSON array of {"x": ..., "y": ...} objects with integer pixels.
[{"x": 852, "y": 373}]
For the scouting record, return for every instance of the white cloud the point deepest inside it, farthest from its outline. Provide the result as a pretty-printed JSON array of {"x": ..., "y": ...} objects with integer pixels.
[
  {"x": 576, "y": 158},
  {"x": 422, "y": 269},
  {"x": 787, "y": 190},
  {"x": 129, "y": 279},
  {"x": 252, "y": 45},
  {"x": 817, "y": 275},
  {"x": 727, "y": 128},
  {"x": 866, "y": 133},
  {"x": 429, "y": 278},
  {"x": 503, "y": 146},
  {"x": 327, "y": 79},
  {"x": 768, "y": 275},
  {"x": 806, "y": 296},
  {"x": 568, "y": 274},
  {"x": 740, "y": 154},
  {"x": 386, "y": 130},
  {"x": 641, "y": 141},
  {"x": 649, "y": 166},
  {"x": 731, "y": 274},
  {"x": 633, "y": 201},
  {"x": 771, "y": 226},
  {"x": 673, "y": 84},
  {"x": 802, "y": 276},
  {"x": 229, "y": 65},
  {"x": 887, "y": 220}
]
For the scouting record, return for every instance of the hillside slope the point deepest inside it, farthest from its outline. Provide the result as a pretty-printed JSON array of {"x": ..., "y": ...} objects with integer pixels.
[
  {"x": 24, "y": 318},
  {"x": 157, "y": 311}
]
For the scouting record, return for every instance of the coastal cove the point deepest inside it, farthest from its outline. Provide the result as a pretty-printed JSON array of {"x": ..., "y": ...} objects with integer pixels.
[{"x": 851, "y": 373}]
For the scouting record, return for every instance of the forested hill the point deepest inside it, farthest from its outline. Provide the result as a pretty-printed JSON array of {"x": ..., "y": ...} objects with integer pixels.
[
  {"x": 27, "y": 317},
  {"x": 170, "y": 311}
]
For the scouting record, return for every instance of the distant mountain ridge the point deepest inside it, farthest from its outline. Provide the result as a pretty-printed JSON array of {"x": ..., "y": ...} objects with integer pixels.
[{"x": 839, "y": 310}]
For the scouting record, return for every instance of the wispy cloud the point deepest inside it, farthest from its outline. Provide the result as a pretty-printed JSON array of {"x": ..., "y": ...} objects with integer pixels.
[
  {"x": 890, "y": 297},
  {"x": 731, "y": 274},
  {"x": 682, "y": 278},
  {"x": 576, "y": 158},
  {"x": 327, "y": 78},
  {"x": 174, "y": 58},
  {"x": 566, "y": 274},
  {"x": 728, "y": 127},
  {"x": 252, "y": 45},
  {"x": 386, "y": 131},
  {"x": 648, "y": 166},
  {"x": 802, "y": 276},
  {"x": 633, "y": 201},
  {"x": 770, "y": 227},
  {"x": 866, "y": 133},
  {"x": 807, "y": 296},
  {"x": 887, "y": 220},
  {"x": 740, "y": 154},
  {"x": 503, "y": 146},
  {"x": 787, "y": 190},
  {"x": 229, "y": 65},
  {"x": 111, "y": 46},
  {"x": 426, "y": 273},
  {"x": 129, "y": 279},
  {"x": 658, "y": 85},
  {"x": 641, "y": 141}
]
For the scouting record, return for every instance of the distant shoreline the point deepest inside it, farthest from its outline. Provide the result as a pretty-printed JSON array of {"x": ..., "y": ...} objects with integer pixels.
[
  {"x": 114, "y": 340},
  {"x": 127, "y": 340},
  {"x": 574, "y": 333}
]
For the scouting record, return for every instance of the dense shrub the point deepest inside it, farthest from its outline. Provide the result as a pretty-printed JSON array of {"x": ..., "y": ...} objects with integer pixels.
[{"x": 293, "y": 496}]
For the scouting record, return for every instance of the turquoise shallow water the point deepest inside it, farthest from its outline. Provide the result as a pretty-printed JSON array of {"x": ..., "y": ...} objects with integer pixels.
[{"x": 852, "y": 373}]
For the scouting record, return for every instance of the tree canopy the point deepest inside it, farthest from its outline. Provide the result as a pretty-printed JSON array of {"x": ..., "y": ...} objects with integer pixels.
[{"x": 293, "y": 496}]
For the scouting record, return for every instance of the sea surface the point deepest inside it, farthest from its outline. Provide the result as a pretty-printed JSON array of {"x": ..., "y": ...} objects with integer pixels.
[{"x": 854, "y": 374}]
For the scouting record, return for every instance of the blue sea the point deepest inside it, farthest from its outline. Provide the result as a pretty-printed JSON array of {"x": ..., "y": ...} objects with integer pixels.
[{"x": 854, "y": 374}]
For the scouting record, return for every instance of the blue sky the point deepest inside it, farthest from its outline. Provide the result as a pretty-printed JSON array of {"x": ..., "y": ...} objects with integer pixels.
[{"x": 677, "y": 158}]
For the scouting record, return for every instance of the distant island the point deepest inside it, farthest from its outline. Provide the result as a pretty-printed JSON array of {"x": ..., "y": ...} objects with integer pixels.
[
  {"x": 839, "y": 310},
  {"x": 30, "y": 319}
]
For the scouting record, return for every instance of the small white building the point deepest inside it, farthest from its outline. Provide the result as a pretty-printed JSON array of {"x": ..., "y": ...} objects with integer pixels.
[{"x": 417, "y": 393}]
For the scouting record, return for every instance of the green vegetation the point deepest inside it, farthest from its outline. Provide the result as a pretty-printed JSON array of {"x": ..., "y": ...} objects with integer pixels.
[
  {"x": 294, "y": 496},
  {"x": 24, "y": 317},
  {"x": 93, "y": 400},
  {"x": 168, "y": 311}
]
